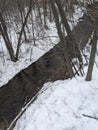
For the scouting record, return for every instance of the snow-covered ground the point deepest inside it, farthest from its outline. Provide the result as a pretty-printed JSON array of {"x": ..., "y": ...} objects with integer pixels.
[{"x": 61, "y": 106}]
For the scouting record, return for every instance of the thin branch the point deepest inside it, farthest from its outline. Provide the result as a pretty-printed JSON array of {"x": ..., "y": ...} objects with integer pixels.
[{"x": 90, "y": 116}]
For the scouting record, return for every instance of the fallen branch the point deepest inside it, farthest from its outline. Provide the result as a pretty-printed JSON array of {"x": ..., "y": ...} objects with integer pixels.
[{"x": 90, "y": 116}]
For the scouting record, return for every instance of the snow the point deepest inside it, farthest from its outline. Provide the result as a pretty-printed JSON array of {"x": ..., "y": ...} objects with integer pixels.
[{"x": 61, "y": 105}]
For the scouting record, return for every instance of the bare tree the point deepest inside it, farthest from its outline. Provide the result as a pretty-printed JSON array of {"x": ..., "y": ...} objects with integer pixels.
[{"x": 31, "y": 4}]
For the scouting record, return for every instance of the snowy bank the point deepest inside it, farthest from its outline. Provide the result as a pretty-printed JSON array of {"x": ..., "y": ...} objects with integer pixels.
[{"x": 61, "y": 106}]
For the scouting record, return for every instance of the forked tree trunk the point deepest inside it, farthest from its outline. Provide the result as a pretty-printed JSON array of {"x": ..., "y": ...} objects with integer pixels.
[{"x": 23, "y": 27}]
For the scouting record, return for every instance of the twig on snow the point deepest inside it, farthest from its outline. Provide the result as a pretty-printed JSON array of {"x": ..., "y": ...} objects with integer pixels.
[{"x": 90, "y": 116}]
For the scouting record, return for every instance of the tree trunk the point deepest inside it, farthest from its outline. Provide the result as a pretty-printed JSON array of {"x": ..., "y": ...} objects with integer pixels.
[
  {"x": 45, "y": 13},
  {"x": 39, "y": 12},
  {"x": 92, "y": 57},
  {"x": 23, "y": 26},
  {"x": 3, "y": 30}
]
